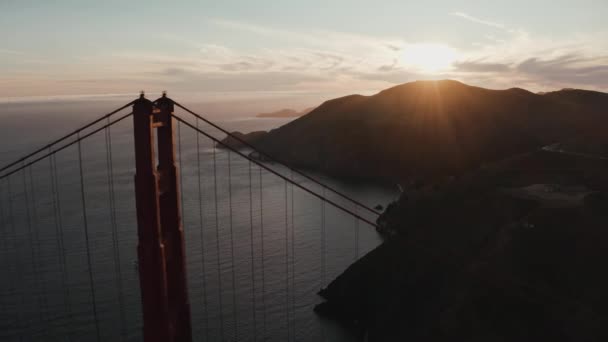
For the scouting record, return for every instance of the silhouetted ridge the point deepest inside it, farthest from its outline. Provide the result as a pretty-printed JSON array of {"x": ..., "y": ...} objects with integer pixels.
[{"x": 432, "y": 128}]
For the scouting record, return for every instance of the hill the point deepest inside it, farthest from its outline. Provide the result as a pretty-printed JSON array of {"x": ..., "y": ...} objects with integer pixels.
[{"x": 430, "y": 129}]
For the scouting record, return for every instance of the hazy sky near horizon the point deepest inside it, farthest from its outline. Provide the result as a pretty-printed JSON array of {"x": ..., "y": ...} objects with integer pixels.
[{"x": 293, "y": 48}]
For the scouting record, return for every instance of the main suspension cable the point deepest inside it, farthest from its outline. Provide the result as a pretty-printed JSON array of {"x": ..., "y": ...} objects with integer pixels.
[
  {"x": 55, "y": 142},
  {"x": 323, "y": 198},
  {"x": 79, "y": 138},
  {"x": 274, "y": 159}
]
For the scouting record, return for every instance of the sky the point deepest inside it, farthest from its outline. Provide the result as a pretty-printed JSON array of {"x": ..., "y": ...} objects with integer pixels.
[{"x": 310, "y": 49}]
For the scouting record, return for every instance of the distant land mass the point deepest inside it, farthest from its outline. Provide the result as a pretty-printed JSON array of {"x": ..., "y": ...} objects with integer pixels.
[
  {"x": 430, "y": 129},
  {"x": 285, "y": 113}
]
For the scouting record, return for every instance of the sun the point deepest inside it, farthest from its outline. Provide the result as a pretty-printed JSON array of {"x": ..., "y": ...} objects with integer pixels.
[{"x": 429, "y": 57}]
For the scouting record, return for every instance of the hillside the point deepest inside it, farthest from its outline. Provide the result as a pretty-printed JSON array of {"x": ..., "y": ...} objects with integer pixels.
[
  {"x": 512, "y": 252},
  {"x": 429, "y": 129}
]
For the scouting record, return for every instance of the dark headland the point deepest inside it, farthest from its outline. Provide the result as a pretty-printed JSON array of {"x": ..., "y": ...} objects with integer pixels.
[{"x": 501, "y": 231}]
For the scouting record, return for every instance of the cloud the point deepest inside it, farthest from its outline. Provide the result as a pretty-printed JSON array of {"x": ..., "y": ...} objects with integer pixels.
[
  {"x": 478, "y": 20},
  {"x": 317, "y": 38},
  {"x": 252, "y": 64},
  {"x": 568, "y": 70},
  {"x": 312, "y": 60},
  {"x": 389, "y": 67},
  {"x": 476, "y": 66}
]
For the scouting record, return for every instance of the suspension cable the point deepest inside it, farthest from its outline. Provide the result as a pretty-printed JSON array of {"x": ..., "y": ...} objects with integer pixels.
[
  {"x": 356, "y": 235},
  {"x": 255, "y": 330},
  {"x": 262, "y": 250},
  {"x": 217, "y": 244},
  {"x": 4, "y": 250},
  {"x": 181, "y": 170},
  {"x": 11, "y": 219},
  {"x": 323, "y": 247},
  {"x": 24, "y": 165},
  {"x": 2, "y": 220},
  {"x": 293, "y": 258},
  {"x": 200, "y": 214},
  {"x": 75, "y": 132},
  {"x": 31, "y": 243},
  {"x": 286, "y": 263},
  {"x": 323, "y": 198},
  {"x": 236, "y": 324},
  {"x": 244, "y": 142},
  {"x": 86, "y": 236},
  {"x": 36, "y": 236},
  {"x": 323, "y": 266},
  {"x": 59, "y": 235},
  {"x": 114, "y": 228}
]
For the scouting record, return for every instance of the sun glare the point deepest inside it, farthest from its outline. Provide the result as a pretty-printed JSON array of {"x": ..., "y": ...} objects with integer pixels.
[{"x": 429, "y": 57}]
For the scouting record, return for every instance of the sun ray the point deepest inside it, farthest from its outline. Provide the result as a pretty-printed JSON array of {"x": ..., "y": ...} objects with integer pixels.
[{"x": 429, "y": 57}]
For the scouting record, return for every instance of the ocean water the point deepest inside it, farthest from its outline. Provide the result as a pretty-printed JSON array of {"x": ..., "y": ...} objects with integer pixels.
[{"x": 258, "y": 248}]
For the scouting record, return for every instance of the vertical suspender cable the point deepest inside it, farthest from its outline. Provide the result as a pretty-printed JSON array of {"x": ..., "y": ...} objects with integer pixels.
[
  {"x": 59, "y": 236},
  {"x": 17, "y": 257},
  {"x": 114, "y": 228},
  {"x": 293, "y": 261},
  {"x": 35, "y": 226},
  {"x": 262, "y": 250},
  {"x": 4, "y": 251},
  {"x": 356, "y": 234},
  {"x": 323, "y": 270},
  {"x": 323, "y": 267},
  {"x": 236, "y": 323},
  {"x": 86, "y": 235},
  {"x": 28, "y": 217},
  {"x": 286, "y": 262},
  {"x": 181, "y": 170},
  {"x": 5, "y": 244},
  {"x": 255, "y": 330},
  {"x": 2, "y": 220},
  {"x": 217, "y": 243},
  {"x": 200, "y": 214}
]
